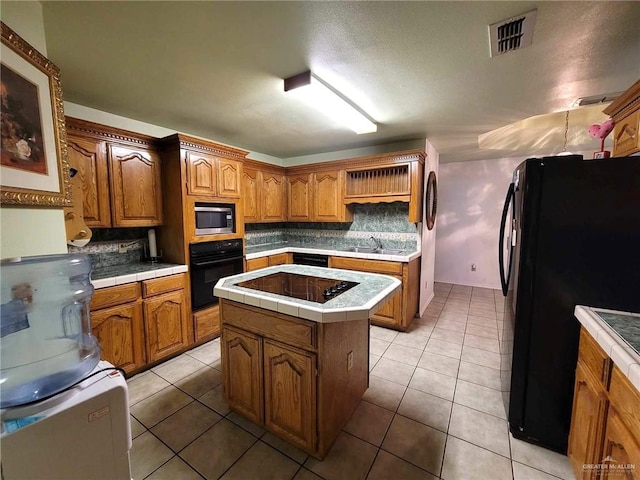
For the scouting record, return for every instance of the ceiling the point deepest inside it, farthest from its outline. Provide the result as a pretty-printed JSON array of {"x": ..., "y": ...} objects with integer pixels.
[{"x": 420, "y": 69}]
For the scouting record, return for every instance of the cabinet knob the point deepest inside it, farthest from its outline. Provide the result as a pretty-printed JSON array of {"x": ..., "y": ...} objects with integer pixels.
[
  {"x": 82, "y": 233},
  {"x": 71, "y": 215}
]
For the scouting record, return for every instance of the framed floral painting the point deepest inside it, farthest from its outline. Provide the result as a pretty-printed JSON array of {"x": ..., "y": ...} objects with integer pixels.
[{"x": 34, "y": 169}]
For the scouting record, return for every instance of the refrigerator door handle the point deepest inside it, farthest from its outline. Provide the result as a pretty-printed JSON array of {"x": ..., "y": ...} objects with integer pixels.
[{"x": 505, "y": 277}]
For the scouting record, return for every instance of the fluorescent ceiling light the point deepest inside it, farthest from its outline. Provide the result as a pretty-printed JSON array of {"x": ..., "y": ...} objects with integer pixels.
[{"x": 313, "y": 91}]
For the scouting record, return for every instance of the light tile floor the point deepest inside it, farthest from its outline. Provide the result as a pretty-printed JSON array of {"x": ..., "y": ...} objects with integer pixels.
[{"x": 433, "y": 410}]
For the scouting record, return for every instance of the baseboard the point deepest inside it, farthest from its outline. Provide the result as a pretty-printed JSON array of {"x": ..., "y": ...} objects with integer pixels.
[{"x": 426, "y": 304}]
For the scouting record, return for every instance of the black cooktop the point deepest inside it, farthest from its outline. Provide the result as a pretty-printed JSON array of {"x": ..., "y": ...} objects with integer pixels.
[{"x": 304, "y": 287}]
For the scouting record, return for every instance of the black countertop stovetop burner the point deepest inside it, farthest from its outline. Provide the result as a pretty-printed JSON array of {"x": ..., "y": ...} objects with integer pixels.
[{"x": 304, "y": 287}]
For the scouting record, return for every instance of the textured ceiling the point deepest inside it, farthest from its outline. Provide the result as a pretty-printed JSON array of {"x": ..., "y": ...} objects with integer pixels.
[{"x": 420, "y": 69}]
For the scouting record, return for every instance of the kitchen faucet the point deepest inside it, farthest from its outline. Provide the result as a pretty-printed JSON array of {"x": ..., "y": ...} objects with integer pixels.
[{"x": 377, "y": 241}]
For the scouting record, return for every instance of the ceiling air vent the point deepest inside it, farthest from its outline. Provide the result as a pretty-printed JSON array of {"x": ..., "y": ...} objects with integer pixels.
[
  {"x": 512, "y": 34},
  {"x": 595, "y": 99}
]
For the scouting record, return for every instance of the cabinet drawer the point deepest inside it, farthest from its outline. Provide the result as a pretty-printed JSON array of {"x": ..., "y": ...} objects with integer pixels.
[
  {"x": 594, "y": 358},
  {"x": 107, "y": 297},
  {"x": 279, "y": 259},
  {"x": 207, "y": 322},
  {"x": 162, "y": 285},
  {"x": 290, "y": 330},
  {"x": 624, "y": 397},
  {"x": 256, "y": 263},
  {"x": 374, "y": 266}
]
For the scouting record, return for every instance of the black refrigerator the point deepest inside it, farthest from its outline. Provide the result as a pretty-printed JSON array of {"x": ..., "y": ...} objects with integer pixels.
[{"x": 570, "y": 235}]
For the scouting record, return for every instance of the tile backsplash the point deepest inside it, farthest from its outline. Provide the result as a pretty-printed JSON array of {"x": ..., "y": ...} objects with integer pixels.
[
  {"x": 104, "y": 248},
  {"x": 385, "y": 221}
]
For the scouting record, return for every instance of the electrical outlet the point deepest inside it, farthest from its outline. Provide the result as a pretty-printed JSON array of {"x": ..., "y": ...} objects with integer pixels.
[
  {"x": 122, "y": 248},
  {"x": 473, "y": 267},
  {"x": 349, "y": 361}
]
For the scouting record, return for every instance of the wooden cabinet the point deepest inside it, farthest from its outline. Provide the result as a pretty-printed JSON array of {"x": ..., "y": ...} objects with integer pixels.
[
  {"x": 317, "y": 197},
  {"x": 242, "y": 372},
  {"x": 625, "y": 111},
  {"x": 299, "y": 379},
  {"x": 299, "y": 191},
  {"x": 120, "y": 174},
  {"x": 290, "y": 393},
  {"x": 117, "y": 323},
  {"x": 398, "y": 312},
  {"x": 267, "y": 261},
  {"x": 206, "y": 323},
  {"x": 605, "y": 420},
  {"x": 264, "y": 193},
  {"x": 208, "y": 175},
  {"x": 272, "y": 197},
  {"x": 141, "y": 322},
  {"x": 90, "y": 159}
]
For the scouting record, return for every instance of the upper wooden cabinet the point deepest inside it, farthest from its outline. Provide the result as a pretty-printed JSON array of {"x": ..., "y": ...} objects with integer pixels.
[
  {"x": 263, "y": 193},
  {"x": 625, "y": 111},
  {"x": 120, "y": 174},
  {"x": 328, "y": 205},
  {"x": 212, "y": 176},
  {"x": 136, "y": 198},
  {"x": 89, "y": 157},
  {"x": 299, "y": 191}
]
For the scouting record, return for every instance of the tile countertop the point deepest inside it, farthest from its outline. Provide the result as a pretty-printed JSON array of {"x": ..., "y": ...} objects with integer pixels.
[
  {"x": 618, "y": 334},
  {"x": 136, "y": 272},
  {"x": 273, "y": 249},
  {"x": 358, "y": 303}
]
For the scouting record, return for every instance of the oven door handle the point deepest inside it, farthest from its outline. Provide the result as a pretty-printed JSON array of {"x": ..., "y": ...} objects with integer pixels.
[{"x": 215, "y": 262}]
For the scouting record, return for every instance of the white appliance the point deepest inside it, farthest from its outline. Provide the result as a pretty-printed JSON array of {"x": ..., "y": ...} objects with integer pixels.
[{"x": 83, "y": 433}]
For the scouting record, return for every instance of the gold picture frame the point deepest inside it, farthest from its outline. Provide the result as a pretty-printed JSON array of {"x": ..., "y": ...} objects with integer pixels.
[{"x": 34, "y": 167}]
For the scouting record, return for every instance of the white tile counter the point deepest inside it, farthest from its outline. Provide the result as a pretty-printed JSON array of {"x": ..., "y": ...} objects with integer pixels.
[
  {"x": 358, "y": 303},
  {"x": 119, "y": 275},
  {"x": 266, "y": 251},
  {"x": 625, "y": 357}
]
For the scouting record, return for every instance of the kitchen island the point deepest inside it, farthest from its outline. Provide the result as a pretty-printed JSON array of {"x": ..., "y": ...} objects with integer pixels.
[{"x": 295, "y": 348}]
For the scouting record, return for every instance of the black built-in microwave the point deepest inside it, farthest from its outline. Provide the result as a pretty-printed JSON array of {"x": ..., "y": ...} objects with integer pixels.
[{"x": 214, "y": 218}]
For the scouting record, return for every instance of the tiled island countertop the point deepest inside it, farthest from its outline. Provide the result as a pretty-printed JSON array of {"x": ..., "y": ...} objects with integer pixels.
[
  {"x": 358, "y": 303},
  {"x": 133, "y": 272},
  {"x": 618, "y": 334}
]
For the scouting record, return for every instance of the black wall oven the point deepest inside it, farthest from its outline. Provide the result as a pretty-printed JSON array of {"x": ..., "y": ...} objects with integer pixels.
[{"x": 209, "y": 262}]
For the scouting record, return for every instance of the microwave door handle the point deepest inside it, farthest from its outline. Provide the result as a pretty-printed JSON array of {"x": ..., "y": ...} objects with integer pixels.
[{"x": 215, "y": 262}]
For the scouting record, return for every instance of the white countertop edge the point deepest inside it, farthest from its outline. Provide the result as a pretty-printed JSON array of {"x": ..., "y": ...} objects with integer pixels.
[
  {"x": 138, "y": 277},
  {"x": 335, "y": 253},
  {"x": 319, "y": 315},
  {"x": 624, "y": 357}
]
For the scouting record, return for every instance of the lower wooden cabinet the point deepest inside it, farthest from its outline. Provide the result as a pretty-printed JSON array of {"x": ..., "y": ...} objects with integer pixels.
[
  {"x": 119, "y": 331},
  {"x": 206, "y": 323},
  {"x": 398, "y": 312},
  {"x": 242, "y": 371},
  {"x": 290, "y": 393},
  {"x": 166, "y": 329},
  {"x": 604, "y": 441},
  {"x": 300, "y": 380},
  {"x": 141, "y": 322},
  {"x": 269, "y": 261}
]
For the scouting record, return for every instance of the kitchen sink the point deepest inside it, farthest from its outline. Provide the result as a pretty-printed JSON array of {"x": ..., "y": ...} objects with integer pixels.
[
  {"x": 380, "y": 251},
  {"x": 363, "y": 249}
]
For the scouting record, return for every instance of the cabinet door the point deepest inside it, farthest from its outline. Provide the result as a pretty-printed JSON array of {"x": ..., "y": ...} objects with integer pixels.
[
  {"x": 250, "y": 195},
  {"x": 136, "y": 199},
  {"x": 272, "y": 193},
  {"x": 299, "y": 198},
  {"x": 206, "y": 323},
  {"x": 290, "y": 393},
  {"x": 328, "y": 203},
  {"x": 621, "y": 450},
  {"x": 242, "y": 372},
  {"x": 89, "y": 157},
  {"x": 229, "y": 174},
  {"x": 587, "y": 422},
  {"x": 165, "y": 324},
  {"x": 119, "y": 331},
  {"x": 391, "y": 312},
  {"x": 201, "y": 174}
]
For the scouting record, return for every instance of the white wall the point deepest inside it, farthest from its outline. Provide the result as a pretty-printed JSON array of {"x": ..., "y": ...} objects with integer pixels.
[
  {"x": 427, "y": 266},
  {"x": 30, "y": 231},
  {"x": 470, "y": 201}
]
